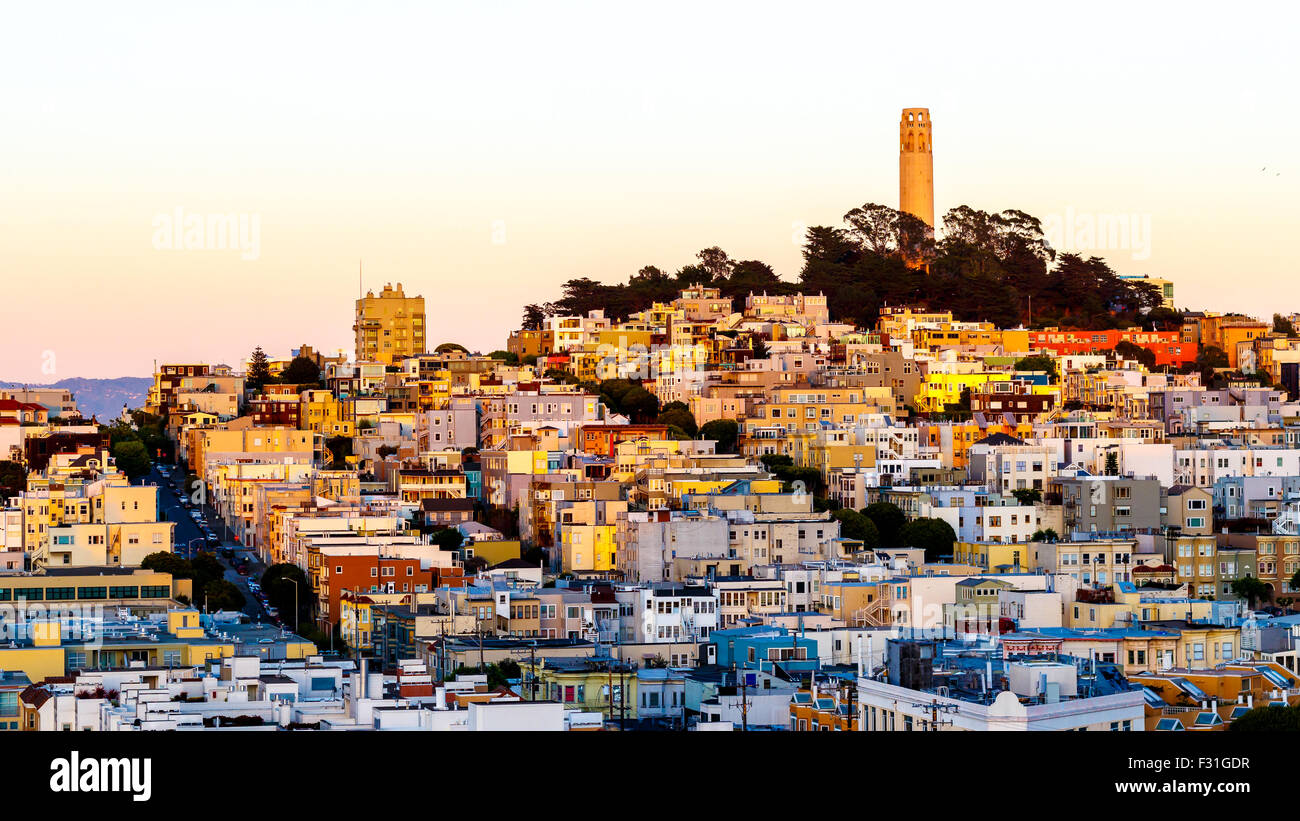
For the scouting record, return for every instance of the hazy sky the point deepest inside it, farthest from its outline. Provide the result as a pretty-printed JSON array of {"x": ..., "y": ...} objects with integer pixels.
[{"x": 481, "y": 154}]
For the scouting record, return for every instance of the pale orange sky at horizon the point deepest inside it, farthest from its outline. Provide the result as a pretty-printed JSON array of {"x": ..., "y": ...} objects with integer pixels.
[{"x": 593, "y": 141}]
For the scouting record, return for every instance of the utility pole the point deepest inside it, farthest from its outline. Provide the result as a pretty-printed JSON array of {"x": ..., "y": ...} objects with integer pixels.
[
  {"x": 744, "y": 704},
  {"x": 935, "y": 708}
]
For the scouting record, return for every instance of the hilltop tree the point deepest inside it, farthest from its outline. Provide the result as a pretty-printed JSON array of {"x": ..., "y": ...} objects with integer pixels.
[
  {"x": 1128, "y": 350},
  {"x": 639, "y": 404},
  {"x": 1112, "y": 464},
  {"x": 535, "y": 316},
  {"x": 936, "y": 536},
  {"x": 279, "y": 581},
  {"x": 13, "y": 479},
  {"x": 220, "y": 594},
  {"x": 302, "y": 370},
  {"x": 1269, "y": 718},
  {"x": 259, "y": 372},
  {"x": 1209, "y": 359},
  {"x": 989, "y": 266},
  {"x": 752, "y": 276},
  {"x": 888, "y": 519},
  {"x": 678, "y": 415},
  {"x": 715, "y": 263},
  {"x": 1027, "y": 495},
  {"x": 854, "y": 525},
  {"x": 1249, "y": 588},
  {"x": 1038, "y": 362},
  {"x": 132, "y": 459},
  {"x": 724, "y": 432}
]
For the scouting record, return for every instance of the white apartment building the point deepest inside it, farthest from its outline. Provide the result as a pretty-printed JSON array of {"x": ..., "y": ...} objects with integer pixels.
[{"x": 671, "y": 613}]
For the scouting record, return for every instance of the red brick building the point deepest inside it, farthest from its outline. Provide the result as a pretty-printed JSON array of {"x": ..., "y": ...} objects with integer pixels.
[
  {"x": 369, "y": 574},
  {"x": 274, "y": 410}
]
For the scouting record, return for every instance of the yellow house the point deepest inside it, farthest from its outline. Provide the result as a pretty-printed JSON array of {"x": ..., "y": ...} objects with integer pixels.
[
  {"x": 417, "y": 485},
  {"x": 830, "y": 450},
  {"x": 1128, "y": 608},
  {"x": 321, "y": 411},
  {"x": 587, "y": 547},
  {"x": 806, "y": 407},
  {"x": 46, "y": 652},
  {"x": 355, "y": 620},
  {"x": 494, "y": 552},
  {"x": 248, "y": 440},
  {"x": 994, "y": 556},
  {"x": 389, "y": 327},
  {"x": 1015, "y": 341},
  {"x": 954, "y": 334},
  {"x": 631, "y": 456},
  {"x": 857, "y": 603},
  {"x": 605, "y": 686},
  {"x": 953, "y": 439},
  {"x": 533, "y": 462},
  {"x": 939, "y": 390},
  {"x": 102, "y": 522}
]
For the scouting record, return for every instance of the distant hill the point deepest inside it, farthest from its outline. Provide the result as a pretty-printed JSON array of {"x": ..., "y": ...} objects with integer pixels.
[{"x": 102, "y": 398}]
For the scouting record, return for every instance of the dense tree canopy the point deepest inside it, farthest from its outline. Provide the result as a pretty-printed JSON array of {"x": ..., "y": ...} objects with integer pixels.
[
  {"x": 220, "y": 594},
  {"x": 888, "y": 519},
  {"x": 994, "y": 266},
  {"x": 722, "y": 431},
  {"x": 794, "y": 479},
  {"x": 1271, "y": 718},
  {"x": 302, "y": 370},
  {"x": 132, "y": 459},
  {"x": 935, "y": 536},
  {"x": 677, "y": 415},
  {"x": 13, "y": 479},
  {"x": 1128, "y": 350},
  {"x": 279, "y": 581},
  {"x": 1038, "y": 362},
  {"x": 203, "y": 569},
  {"x": 854, "y": 525}
]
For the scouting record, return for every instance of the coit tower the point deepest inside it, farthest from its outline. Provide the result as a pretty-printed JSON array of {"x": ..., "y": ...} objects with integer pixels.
[{"x": 916, "y": 165}]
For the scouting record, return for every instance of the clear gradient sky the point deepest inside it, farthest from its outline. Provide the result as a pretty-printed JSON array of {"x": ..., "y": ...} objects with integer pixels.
[{"x": 593, "y": 139}]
